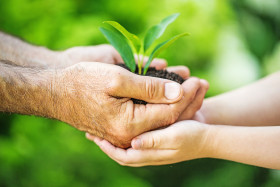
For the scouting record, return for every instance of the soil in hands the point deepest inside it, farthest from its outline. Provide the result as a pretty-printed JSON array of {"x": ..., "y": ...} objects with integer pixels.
[{"x": 152, "y": 72}]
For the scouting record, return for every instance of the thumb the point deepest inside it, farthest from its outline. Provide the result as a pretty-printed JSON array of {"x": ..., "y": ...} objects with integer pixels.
[
  {"x": 149, "y": 89},
  {"x": 146, "y": 141},
  {"x": 157, "y": 139}
]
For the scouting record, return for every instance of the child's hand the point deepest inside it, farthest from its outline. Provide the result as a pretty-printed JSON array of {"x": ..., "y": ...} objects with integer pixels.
[{"x": 181, "y": 141}]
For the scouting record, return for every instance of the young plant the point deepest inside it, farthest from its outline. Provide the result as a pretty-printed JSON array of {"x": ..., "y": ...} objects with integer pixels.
[{"x": 128, "y": 44}]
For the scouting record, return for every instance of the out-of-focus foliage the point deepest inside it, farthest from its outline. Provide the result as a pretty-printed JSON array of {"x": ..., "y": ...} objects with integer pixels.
[{"x": 232, "y": 43}]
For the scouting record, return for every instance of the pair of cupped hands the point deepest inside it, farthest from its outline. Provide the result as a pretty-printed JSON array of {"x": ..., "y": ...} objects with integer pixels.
[{"x": 100, "y": 94}]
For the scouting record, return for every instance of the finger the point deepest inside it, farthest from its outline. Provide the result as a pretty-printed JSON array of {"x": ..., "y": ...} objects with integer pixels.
[
  {"x": 119, "y": 155},
  {"x": 183, "y": 71},
  {"x": 131, "y": 157},
  {"x": 149, "y": 89},
  {"x": 159, "y": 115},
  {"x": 92, "y": 137},
  {"x": 117, "y": 58},
  {"x": 169, "y": 160},
  {"x": 197, "y": 102},
  {"x": 146, "y": 157},
  {"x": 205, "y": 83},
  {"x": 190, "y": 87},
  {"x": 115, "y": 54},
  {"x": 89, "y": 136},
  {"x": 109, "y": 149},
  {"x": 157, "y": 63},
  {"x": 157, "y": 139}
]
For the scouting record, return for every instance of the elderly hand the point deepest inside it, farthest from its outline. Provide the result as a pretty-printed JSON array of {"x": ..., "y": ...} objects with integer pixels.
[
  {"x": 95, "y": 97},
  {"x": 99, "y": 53}
]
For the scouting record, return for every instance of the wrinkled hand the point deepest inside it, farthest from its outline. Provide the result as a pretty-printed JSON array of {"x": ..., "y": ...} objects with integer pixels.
[
  {"x": 181, "y": 141},
  {"x": 192, "y": 110},
  {"x": 100, "y": 53},
  {"x": 95, "y": 97}
]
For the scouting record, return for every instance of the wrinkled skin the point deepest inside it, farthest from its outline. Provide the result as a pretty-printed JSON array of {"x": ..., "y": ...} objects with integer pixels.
[{"x": 95, "y": 98}]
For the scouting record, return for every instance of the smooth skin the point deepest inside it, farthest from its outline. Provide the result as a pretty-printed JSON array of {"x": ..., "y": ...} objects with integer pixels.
[
  {"x": 250, "y": 132},
  {"x": 91, "y": 96}
]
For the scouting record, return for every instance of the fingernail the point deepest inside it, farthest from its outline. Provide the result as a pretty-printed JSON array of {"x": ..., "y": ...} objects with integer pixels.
[
  {"x": 136, "y": 144},
  {"x": 172, "y": 90}
]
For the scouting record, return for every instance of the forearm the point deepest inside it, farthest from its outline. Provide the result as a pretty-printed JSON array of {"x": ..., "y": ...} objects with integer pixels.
[
  {"x": 257, "y": 104},
  {"x": 17, "y": 52},
  {"x": 259, "y": 146},
  {"x": 27, "y": 91}
]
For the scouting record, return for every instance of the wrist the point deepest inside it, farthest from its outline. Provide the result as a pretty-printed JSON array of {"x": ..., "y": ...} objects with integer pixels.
[
  {"x": 208, "y": 142},
  {"x": 27, "y": 91},
  {"x": 42, "y": 89},
  {"x": 202, "y": 138},
  {"x": 64, "y": 93}
]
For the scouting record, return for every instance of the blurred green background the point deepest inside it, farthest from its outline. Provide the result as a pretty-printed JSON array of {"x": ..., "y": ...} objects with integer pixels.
[{"x": 232, "y": 43}]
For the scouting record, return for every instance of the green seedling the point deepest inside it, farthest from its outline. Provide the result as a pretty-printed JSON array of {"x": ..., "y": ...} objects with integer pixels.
[{"x": 128, "y": 44}]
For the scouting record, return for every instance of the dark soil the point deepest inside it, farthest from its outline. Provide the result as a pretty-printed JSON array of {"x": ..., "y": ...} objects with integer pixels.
[{"x": 152, "y": 72}]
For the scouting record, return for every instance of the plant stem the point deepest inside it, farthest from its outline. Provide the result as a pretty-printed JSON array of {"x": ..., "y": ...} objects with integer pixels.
[{"x": 139, "y": 64}]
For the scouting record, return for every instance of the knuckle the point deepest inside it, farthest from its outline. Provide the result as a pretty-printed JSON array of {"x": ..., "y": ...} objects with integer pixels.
[
  {"x": 195, "y": 80},
  {"x": 153, "y": 142},
  {"x": 192, "y": 96},
  {"x": 79, "y": 67},
  {"x": 161, "y": 60},
  {"x": 183, "y": 68},
  {"x": 116, "y": 83},
  {"x": 205, "y": 84},
  {"x": 174, "y": 115},
  {"x": 189, "y": 98},
  {"x": 151, "y": 88},
  {"x": 186, "y": 70}
]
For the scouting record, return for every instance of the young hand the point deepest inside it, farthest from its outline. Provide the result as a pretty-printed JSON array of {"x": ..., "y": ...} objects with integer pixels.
[
  {"x": 186, "y": 140},
  {"x": 181, "y": 141}
]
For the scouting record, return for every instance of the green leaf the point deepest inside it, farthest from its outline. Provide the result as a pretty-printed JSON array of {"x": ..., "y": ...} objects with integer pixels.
[
  {"x": 160, "y": 47},
  {"x": 156, "y": 31},
  {"x": 133, "y": 39},
  {"x": 121, "y": 45}
]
